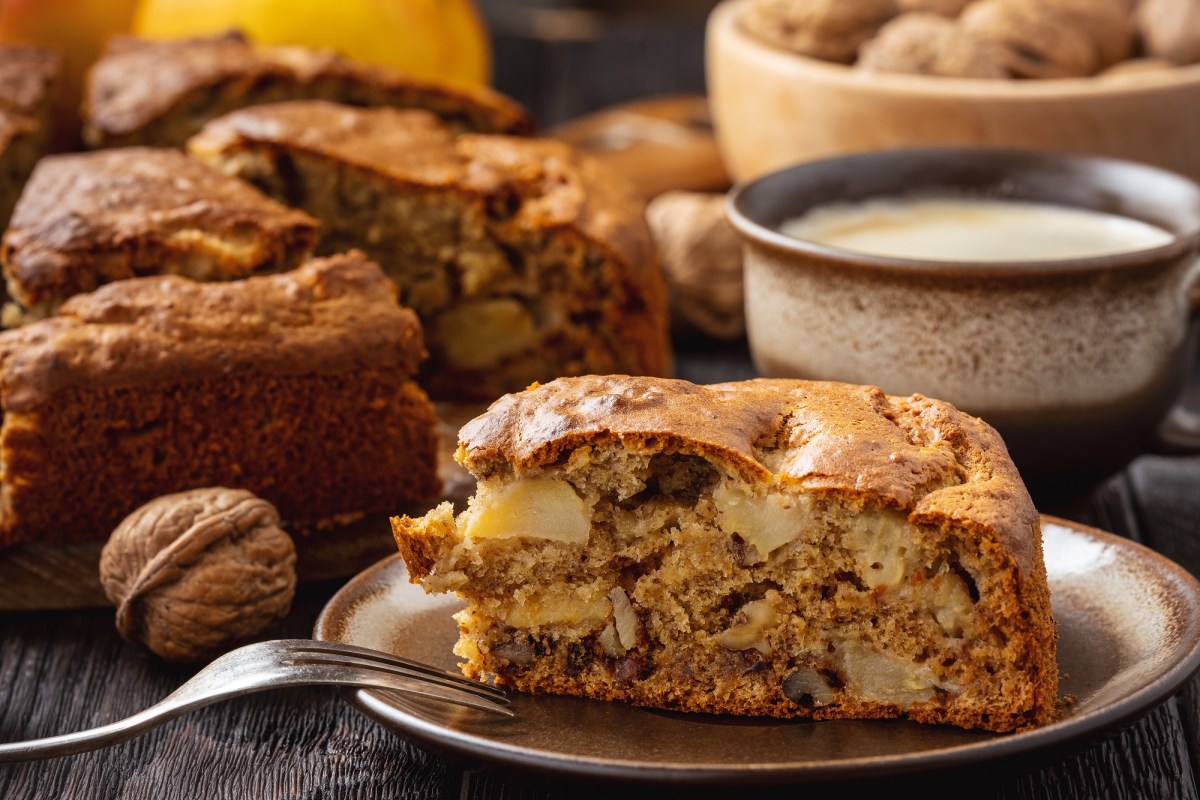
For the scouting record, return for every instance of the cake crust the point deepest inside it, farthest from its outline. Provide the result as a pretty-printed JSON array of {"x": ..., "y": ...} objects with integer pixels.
[
  {"x": 157, "y": 92},
  {"x": 336, "y": 313},
  {"x": 86, "y": 219}
]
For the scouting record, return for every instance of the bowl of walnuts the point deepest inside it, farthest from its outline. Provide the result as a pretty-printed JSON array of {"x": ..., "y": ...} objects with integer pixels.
[{"x": 798, "y": 80}]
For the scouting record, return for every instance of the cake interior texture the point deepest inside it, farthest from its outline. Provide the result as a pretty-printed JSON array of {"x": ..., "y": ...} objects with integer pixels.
[
  {"x": 500, "y": 245},
  {"x": 653, "y": 569}
]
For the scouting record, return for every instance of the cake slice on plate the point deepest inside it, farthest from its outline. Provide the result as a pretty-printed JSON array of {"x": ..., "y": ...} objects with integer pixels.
[{"x": 781, "y": 548}]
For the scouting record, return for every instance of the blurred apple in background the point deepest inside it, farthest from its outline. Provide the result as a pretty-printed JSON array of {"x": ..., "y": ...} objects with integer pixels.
[{"x": 444, "y": 39}]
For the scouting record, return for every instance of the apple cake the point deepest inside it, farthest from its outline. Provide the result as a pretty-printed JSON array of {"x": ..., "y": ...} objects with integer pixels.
[
  {"x": 86, "y": 219},
  {"x": 160, "y": 92},
  {"x": 772, "y": 547},
  {"x": 156, "y": 385},
  {"x": 524, "y": 259},
  {"x": 29, "y": 79}
]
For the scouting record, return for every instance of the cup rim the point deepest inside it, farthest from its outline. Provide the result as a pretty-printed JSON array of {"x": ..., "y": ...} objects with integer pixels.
[{"x": 759, "y": 233}]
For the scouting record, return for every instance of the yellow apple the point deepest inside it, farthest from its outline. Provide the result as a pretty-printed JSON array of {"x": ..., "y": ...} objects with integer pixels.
[{"x": 444, "y": 39}]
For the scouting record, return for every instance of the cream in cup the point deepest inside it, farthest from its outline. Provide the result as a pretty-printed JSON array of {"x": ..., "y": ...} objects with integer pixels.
[{"x": 1076, "y": 359}]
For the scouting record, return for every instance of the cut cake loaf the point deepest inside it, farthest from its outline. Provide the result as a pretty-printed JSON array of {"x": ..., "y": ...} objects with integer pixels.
[
  {"x": 29, "y": 78},
  {"x": 781, "y": 548},
  {"x": 86, "y": 219},
  {"x": 160, "y": 92},
  {"x": 525, "y": 259},
  {"x": 297, "y": 387}
]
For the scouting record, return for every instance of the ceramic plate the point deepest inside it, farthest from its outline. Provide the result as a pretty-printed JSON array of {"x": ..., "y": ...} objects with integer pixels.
[{"x": 1129, "y": 623}]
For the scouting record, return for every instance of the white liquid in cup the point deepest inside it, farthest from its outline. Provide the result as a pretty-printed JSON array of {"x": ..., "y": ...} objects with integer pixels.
[{"x": 966, "y": 229}]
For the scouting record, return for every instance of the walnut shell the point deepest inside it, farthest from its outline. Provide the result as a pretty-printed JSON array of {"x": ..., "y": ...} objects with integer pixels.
[
  {"x": 193, "y": 573},
  {"x": 702, "y": 257},
  {"x": 1053, "y": 38},
  {"x": 826, "y": 29},
  {"x": 1171, "y": 29},
  {"x": 923, "y": 43}
]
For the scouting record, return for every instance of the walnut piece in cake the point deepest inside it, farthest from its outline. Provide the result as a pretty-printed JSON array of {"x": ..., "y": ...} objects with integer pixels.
[
  {"x": 160, "y": 92},
  {"x": 524, "y": 258},
  {"x": 296, "y": 387},
  {"x": 86, "y": 219},
  {"x": 28, "y": 82},
  {"x": 782, "y": 548}
]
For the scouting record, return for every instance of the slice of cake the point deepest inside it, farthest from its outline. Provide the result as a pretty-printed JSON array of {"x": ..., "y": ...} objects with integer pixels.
[
  {"x": 87, "y": 219},
  {"x": 160, "y": 92},
  {"x": 781, "y": 548},
  {"x": 297, "y": 387},
  {"x": 525, "y": 259},
  {"x": 28, "y": 81}
]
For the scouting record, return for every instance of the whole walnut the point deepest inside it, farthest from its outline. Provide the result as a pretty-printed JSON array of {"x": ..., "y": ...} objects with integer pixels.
[
  {"x": 1171, "y": 29},
  {"x": 826, "y": 29},
  {"x": 701, "y": 254},
  {"x": 193, "y": 573},
  {"x": 930, "y": 44},
  {"x": 945, "y": 8},
  {"x": 1053, "y": 38}
]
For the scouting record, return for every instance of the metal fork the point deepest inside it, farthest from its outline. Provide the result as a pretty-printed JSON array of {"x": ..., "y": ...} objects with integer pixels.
[{"x": 271, "y": 665}]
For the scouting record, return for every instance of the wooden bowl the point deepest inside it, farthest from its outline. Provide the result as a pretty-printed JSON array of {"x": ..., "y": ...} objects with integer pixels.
[{"x": 773, "y": 108}]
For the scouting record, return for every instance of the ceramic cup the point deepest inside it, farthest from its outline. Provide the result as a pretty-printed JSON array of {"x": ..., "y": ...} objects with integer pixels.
[{"x": 1076, "y": 362}]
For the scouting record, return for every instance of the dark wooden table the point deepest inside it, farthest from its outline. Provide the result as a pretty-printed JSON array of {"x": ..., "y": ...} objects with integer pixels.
[{"x": 63, "y": 671}]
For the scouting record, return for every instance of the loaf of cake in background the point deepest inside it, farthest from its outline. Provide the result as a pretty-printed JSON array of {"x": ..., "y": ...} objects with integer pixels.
[
  {"x": 773, "y": 547},
  {"x": 28, "y": 81},
  {"x": 160, "y": 92},
  {"x": 87, "y": 219},
  {"x": 297, "y": 387},
  {"x": 524, "y": 258}
]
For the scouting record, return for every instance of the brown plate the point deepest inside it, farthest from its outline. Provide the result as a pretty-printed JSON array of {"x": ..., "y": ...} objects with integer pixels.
[{"x": 1129, "y": 624}]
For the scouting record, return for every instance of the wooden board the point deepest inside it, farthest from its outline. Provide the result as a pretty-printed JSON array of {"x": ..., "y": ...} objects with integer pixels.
[{"x": 62, "y": 576}]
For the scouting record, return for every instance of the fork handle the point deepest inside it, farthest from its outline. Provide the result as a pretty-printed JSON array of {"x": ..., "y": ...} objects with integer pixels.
[
  {"x": 234, "y": 678},
  {"x": 71, "y": 743}
]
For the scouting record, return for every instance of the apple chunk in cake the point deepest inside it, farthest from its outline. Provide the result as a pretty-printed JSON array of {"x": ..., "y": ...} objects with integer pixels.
[{"x": 779, "y": 548}]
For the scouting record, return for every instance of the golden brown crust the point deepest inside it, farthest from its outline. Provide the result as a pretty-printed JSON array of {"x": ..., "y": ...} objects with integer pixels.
[
  {"x": 332, "y": 314},
  {"x": 86, "y": 219},
  {"x": 138, "y": 86},
  {"x": 555, "y": 185},
  {"x": 941, "y": 466}
]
